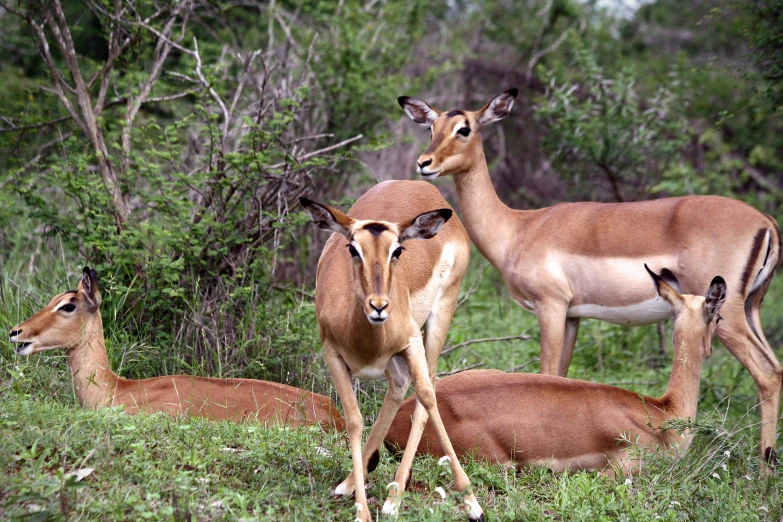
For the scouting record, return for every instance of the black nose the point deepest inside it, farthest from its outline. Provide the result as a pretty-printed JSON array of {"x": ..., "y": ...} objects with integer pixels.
[
  {"x": 14, "y": 332},
  {"x": 422, "y": 165},
  {"x": 379, "y": 309}
]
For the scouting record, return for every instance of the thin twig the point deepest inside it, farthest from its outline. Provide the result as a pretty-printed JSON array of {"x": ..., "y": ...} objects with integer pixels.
[
  {"x": 522, "y": 336},
  {"x": 460, "y": 370},
  {"x": 520, "y": 366},
  {"x": 309, "y": 155}
]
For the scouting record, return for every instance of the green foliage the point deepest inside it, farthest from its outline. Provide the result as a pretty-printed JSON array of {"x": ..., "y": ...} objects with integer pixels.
[
  {"x": 762, "y": 23},
  {"x": 598, "y": 126}
]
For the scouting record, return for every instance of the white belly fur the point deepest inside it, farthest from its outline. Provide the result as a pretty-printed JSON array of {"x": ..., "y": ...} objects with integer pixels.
[
  {"x": 368, "y": 373},
  {"x": 646, "y": 312}
]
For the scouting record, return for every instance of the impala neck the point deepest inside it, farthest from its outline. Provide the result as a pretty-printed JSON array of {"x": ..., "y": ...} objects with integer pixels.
[
  {"x": 488, "y": 221},
  {"x": 682, "y": 393},
  {"x": 93, "y": 381},
  {"x": 367, "y": 334}
]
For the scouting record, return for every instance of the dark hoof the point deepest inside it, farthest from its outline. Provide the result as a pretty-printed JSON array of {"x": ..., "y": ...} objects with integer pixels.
[
  {"x": 771, "y": 457},
  {"x": 373, "y": 462},
  {"x": 479, "y": 519}
]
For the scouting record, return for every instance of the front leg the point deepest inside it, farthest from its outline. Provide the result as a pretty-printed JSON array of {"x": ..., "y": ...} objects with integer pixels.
[
  {"x": 398, "y": 379},
  {"x": 551, "y": 324},
  {"x": 341, "y": 376},
  {"x": 436, "y": 330},
  {"x": 425, "y": 394}
]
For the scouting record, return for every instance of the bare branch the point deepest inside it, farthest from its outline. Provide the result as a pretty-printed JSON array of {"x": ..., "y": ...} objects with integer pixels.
[
  {"x": 309, "y": 155},
  {"x": 522, "y": 337},
  {"x": 21, "y": 128},
  {"x": 460, "y": 370}
]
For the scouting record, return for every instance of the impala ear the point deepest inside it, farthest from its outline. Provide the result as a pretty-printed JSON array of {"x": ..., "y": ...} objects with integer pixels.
[
  {"x": 425, "y": 226},
  {"x": 419, "y": 111},
  {"x": 664, "y": 289},
  {"x": 716, "y": 295},
  {"x": 498, "y": 108},
  {"x": 328, "y": 218},
  {"x": 89, "y": 284}
]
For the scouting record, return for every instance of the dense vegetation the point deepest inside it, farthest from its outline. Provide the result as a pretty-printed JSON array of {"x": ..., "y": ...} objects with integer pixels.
[{"x": 165, "y": 144}]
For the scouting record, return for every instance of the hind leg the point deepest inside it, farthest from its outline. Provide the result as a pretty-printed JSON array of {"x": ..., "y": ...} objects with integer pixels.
[{"x": 753, "y": 351}]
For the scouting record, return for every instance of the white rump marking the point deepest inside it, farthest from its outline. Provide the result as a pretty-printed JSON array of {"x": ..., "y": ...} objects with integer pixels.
[
  {"x": 765, "y": 269},
  {"x": 424, "y": 302}
]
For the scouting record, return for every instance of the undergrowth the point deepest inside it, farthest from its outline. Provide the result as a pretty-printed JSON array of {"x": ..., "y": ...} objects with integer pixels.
[{"x": 156, "y": 468}]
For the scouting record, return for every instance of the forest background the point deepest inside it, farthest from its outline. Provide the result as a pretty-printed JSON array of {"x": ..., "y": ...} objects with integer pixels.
[{"x": 166, "y": 144}]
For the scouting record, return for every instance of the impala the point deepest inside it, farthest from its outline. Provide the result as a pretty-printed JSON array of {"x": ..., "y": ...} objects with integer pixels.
[
  {"x": 72, "y": 321},
  {"x": 576, "y": 260},
  {"x": 568, "y": 424},
  {"x": 392, "y": 266}
]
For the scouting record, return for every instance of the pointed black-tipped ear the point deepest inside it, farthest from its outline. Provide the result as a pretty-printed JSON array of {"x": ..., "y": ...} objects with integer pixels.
[
  {"x": 419, "y": 111},
  {"x": 498, "y": 108},
  {"x": 89, "y": 283},
  {"x": 656, "y": 279},
  {"x": 426, "y": 225},
  {"x": 716, "y": 296},
  {"x": 327, "y": 218},
  {"x": 664, "y": 289}
]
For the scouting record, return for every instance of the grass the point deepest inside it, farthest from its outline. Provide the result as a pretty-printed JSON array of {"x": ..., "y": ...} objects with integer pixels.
[{"x": 151, "y": 467}]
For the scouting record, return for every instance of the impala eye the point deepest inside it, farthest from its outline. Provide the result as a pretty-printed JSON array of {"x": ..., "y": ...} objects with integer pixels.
[
  {"x": 353, "y": 251},
  {"x": 718, "y": 320},
  {"x": 464, "y": 131},
  {"x": 68, "y": 308},
  {"x": 397, "y": 252}
]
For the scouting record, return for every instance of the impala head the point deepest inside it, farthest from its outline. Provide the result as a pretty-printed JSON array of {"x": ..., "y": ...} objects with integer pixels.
[
  {"x": 61, "y": 323},
  {"x": 694, "y": 314},
  {"x": 456, "y": 135},
  {"x": 375, "y": 248}
]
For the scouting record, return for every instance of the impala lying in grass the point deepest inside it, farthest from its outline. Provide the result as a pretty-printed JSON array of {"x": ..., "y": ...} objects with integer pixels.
[
  {"x": 529, "y": 419},
  {"x": 393, "y": 266},
  {"x": 72, "y": 322}
]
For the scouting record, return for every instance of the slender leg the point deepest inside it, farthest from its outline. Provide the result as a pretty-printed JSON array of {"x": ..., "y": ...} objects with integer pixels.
[
  {"x": 551, "y": 323},
  {"x": 425, "y": 393},
  {"x": 399, "y": 380},
  {"x": 436, "y": 330},
  {"x": 341, "y": 376},
  {"x": 569, "y": 340},
  {"x": 755, "y": 354}
]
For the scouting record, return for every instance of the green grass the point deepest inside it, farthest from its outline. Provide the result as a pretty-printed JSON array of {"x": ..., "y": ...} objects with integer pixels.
[{"x": 157, "y": 468}]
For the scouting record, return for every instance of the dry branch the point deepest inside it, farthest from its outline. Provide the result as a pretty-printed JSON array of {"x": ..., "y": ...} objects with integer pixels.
[{"x": 522, "y": 337}]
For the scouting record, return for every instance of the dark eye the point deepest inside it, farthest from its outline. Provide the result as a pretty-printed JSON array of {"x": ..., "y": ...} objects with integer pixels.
[
  {"x": 464, "y": 131},
  {"x": 68, "y": 308},
  {"x": 397, "y": 253},
  {"x": 718, "y": 320},
  {"x": 353, "y": 251}
]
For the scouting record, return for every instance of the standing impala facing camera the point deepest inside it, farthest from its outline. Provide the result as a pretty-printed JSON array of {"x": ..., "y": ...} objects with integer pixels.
[
  {"x": 576, "y": 260},
  {"x": 72, "y": 322},
  {"x": 393, "y": 266}
]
